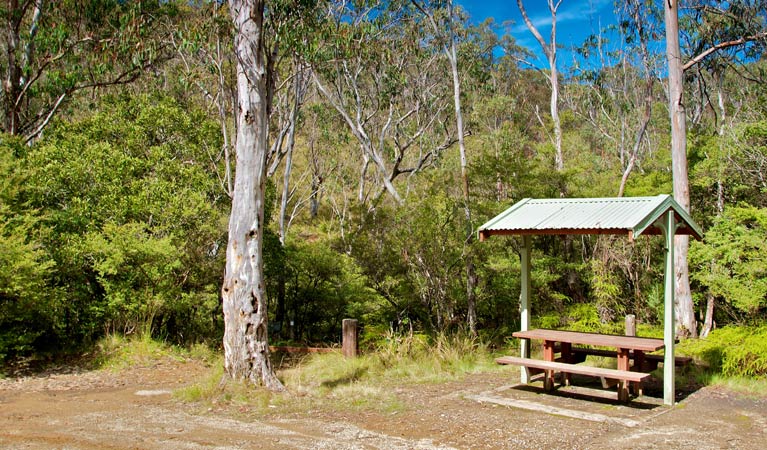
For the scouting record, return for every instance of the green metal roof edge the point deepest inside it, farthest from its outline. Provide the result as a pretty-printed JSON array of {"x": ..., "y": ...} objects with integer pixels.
[
  {"x": 502, "y": 215},
  {"x": 662, "y": 208}
]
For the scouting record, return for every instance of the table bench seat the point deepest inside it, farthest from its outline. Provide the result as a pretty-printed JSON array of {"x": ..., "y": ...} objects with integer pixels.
[
  {"x": 576, "y": 369},
  {"x": 622, "y": 375}
]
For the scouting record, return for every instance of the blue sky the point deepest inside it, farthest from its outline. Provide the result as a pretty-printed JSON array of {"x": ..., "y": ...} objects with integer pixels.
[{"x": 576, "y": 20}]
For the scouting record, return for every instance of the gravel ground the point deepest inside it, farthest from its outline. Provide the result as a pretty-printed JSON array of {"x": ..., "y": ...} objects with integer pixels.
[{"x": 134, "y": 409}]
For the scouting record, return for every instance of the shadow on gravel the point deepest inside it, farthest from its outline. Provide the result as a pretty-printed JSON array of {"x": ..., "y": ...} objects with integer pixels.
[
  {"x": 590, "y": 389},
  {"x": 348, "y": 379},
  {"x": 594, "y": 395},
  {"x": 41, "y": 367}
]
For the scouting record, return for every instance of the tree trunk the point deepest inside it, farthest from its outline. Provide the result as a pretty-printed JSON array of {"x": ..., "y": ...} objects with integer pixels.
[
  {"x": 246, "y": 349},
  {"x": 223, "y": 94},
  {"x": 314, "y": 197},
  {"x": 299, "y": 88},
  {"x": 11, "y": 83},
  {"x": 471, "y": 276},
  {"x": 708, "y": 323},
  {"x": 685, "y": 311},
  {"x": 550, "y": 50},
  {"x": 559, "y": 162}
]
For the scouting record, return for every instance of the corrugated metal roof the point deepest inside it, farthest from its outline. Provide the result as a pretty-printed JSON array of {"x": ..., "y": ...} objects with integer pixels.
[{"x": 619, "y": 215}]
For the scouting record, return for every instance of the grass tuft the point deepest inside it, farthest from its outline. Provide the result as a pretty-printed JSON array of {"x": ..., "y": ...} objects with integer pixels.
[
  {"x": 751, "y": 387},
  {"x": 331, "y": 381},
  {"x": 116, "y": 352}
]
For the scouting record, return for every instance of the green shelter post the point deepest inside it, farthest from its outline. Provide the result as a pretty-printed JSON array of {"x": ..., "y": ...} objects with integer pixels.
[
  {"x": 669, "y": 321},
  {"x": 524, "y": 303}
]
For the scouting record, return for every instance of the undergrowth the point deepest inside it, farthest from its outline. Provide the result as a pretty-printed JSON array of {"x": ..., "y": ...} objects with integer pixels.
[
  {"x": 329, "y": 380},
  {"x": 117, "y": 352},
  {"x": 732, "y": 351}
]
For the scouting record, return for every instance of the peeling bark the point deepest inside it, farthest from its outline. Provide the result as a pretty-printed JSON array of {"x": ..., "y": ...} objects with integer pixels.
[{"x": 246, "y": 349}]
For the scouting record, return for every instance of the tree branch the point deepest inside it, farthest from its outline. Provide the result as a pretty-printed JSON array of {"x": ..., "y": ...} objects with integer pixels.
[{"x": 722, "y": 45}]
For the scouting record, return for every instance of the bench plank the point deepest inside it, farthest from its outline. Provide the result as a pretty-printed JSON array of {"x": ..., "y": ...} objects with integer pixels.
[{"x": 574, "y": 368}]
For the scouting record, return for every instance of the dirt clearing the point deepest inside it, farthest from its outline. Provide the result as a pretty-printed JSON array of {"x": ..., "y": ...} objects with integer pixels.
[{"x": 134, "y": 409}]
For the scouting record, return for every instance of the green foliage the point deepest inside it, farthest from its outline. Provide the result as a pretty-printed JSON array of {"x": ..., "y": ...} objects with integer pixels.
[
  {"x": 67, "y": 46},
  {"x": 730, "y": 262},
  {"x": 605, "y": 288},
  {"x": 585, "y": 317},
  {"x": 577, "y": 317},
  {"x": 136, "y": 220},
  {"x": 137, "y": 271},
  {"x": 27, "y": 305},
  {"x": 323, "y": 287},
  {"x": 734, "y": 351},
  {"x": 115, "y": 352}
]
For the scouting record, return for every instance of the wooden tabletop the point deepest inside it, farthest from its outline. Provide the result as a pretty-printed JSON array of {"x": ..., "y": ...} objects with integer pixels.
[{"x": 605, "y": 340}]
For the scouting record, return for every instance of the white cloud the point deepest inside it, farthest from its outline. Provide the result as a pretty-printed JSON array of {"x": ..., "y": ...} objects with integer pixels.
[{"x": 569, "y": 11}]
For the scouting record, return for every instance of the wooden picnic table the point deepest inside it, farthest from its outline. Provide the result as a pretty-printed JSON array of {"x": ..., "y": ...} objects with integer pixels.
[{"x": 626, "y": 348}]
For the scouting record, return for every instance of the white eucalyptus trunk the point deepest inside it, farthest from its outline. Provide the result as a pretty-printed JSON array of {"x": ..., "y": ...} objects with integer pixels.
[
  {"x": 685, "y": 311},
  {"x": 550, "y": 50},
  {"x": 471, "y": 276},
  {"x": 246, "y": 349}
]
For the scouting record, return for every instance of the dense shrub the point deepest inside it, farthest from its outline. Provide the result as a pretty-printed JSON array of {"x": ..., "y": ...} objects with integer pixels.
[
  {"x": 733, "y": 350},
  {"x": 28, "y": 307},
  {"x": 321, "y": 287},
  {"x": 135, "y": 221},
  {"x": 731, "y": 263}
]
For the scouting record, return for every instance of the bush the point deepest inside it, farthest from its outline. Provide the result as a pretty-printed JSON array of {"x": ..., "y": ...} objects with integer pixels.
[
  {"x": 28, "y": 305},
  {"x": 730, "y": 262},
  {"x": 732, "y": 350},
  {"x": 137, "y": 221}
]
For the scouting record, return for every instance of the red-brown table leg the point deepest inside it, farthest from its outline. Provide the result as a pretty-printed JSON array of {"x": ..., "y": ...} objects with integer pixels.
[
  {"x": 638, "y": 367},
  {"x": 623, "y": 364},
  {"x": 566, "y": 357},
  {"x": 548, "y": 355}
]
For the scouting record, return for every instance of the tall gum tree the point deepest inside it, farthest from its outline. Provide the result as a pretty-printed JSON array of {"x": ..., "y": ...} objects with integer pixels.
[
  {"x": 550, "y": 50},
  {"x": 449, "y": 49},
  {"x": 685, "y": 312},
  {"x": 720, "y": 30},
  {"x": 246, "y": 349},
  {"x": 722, "y": 37},
  {"x": 388, "y": 90}
]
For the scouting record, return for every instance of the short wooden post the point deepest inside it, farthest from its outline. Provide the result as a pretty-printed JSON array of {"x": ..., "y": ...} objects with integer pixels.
[
  {"x": 631, "y": 325},
  {"x": 349, "y": 343}
]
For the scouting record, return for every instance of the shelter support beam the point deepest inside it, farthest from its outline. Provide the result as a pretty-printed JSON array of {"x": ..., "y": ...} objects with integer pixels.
[
  {"x": 524, "y": 303},
  {"x": 669, "y": 321}
]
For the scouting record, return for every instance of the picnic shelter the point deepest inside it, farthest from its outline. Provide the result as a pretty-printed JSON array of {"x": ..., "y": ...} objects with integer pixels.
[{"x": 630, "y": 216}]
